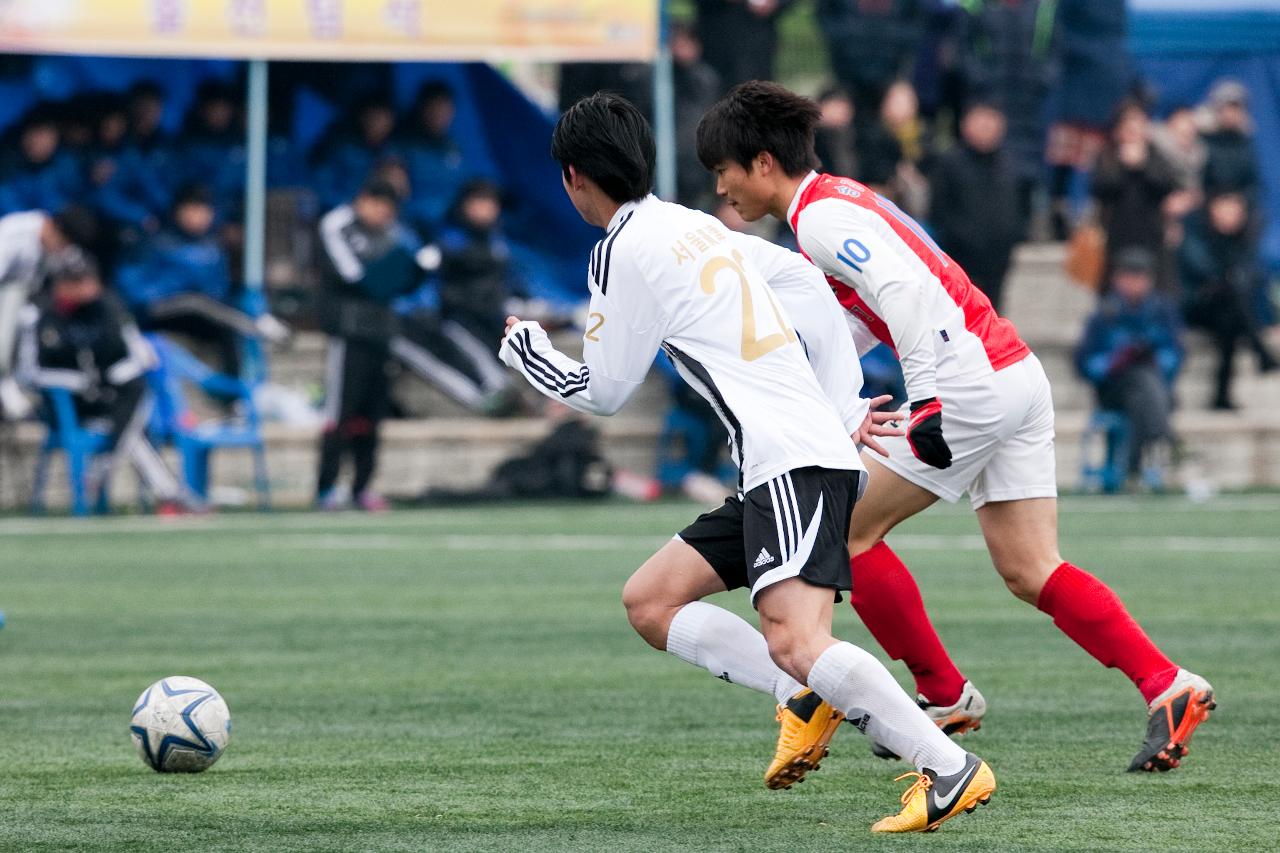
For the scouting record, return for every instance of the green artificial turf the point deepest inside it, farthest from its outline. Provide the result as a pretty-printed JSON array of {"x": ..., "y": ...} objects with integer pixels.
[{"x": 467, "y": 680}]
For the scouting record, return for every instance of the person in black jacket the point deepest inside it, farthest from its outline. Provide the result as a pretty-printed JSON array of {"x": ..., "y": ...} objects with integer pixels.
[
  {"x": 1221, "y": 275},
  {"x": 372, "y": 259},
  {"x": 974, "y": 208},
  {"x": 1232, "y": 164},
  {"x": 1131, "y": 182},
  {"x": 80, "y": 338}
]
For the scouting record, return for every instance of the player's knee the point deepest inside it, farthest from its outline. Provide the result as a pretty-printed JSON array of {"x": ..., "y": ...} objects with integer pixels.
[
  {"x": 790, "y": 650},
  {"x": 1025, "y": 579},
  {"x": 647, "y": 616}
]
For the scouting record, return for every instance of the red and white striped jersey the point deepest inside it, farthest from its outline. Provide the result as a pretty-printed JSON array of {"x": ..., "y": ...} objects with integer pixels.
[{"x": 886, "y": 271}]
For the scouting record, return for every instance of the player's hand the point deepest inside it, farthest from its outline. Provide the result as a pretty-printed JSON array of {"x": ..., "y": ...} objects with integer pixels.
[
  {"x": 924, "y": 433},
  {"x": 511, "y": 322},
  {"x": 876, "y": 424}
]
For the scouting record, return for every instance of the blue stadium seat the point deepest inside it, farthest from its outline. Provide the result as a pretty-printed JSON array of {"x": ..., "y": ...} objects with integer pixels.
[
  {"x": 174, "y": 422},
  {"x": 80, "y": 443},
  {"x": 1104, "y": 452}
]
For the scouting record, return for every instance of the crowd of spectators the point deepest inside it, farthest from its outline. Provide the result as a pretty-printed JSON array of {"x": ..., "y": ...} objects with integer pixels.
[{"x": 937, "y": 105}]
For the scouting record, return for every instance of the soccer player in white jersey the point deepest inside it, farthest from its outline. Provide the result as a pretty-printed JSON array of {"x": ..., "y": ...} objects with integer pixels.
[
  {"x": 980, "y": 420},
  {"x": 666, "y": 277}
]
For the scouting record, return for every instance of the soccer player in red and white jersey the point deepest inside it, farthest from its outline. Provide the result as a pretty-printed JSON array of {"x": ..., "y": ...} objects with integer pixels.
[{"x": 980, "y": 420}]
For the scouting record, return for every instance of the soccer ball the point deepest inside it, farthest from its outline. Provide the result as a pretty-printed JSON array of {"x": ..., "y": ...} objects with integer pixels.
[{"x": 180, "y": 725}]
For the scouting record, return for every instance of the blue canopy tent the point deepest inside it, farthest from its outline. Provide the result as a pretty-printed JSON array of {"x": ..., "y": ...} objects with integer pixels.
[{"x": 1182, "y": 46}]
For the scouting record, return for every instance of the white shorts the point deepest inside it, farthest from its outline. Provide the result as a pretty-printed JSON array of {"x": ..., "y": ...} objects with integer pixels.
[{"x": 1000, "y": 431}]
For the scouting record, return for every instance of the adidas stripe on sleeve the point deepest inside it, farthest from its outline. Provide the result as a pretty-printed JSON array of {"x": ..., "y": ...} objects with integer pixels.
[{"x": 624, "y": 331}]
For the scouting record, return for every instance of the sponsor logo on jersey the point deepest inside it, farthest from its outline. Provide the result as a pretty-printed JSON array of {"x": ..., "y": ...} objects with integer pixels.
[{"x": 764, "y": 558}]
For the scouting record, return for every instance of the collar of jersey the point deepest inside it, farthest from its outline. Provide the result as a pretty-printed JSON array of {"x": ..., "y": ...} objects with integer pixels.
[
  {"x": 622, "y": 211},
  {"x": 795, "y": 199}
]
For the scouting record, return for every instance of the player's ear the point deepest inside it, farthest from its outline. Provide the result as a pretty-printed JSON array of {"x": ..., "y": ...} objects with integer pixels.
[{"x": 763, "y": 164}]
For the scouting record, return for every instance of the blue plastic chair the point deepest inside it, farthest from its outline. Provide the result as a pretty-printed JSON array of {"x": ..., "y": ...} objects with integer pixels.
[
  {"x": 80, "y": 443},
  {"x": 1106, "y": 468},
  {"x": 174, "y": 422}
]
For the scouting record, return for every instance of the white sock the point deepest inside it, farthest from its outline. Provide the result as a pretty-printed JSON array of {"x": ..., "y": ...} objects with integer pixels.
[
  {"x": 728, "y": 647},
  {"x": 858, "y": 685}
]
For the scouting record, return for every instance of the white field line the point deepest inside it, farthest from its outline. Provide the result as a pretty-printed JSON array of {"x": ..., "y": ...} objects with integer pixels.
[
  {"x": 603, "y": 542},
  {"x": 428, "y": 521}
]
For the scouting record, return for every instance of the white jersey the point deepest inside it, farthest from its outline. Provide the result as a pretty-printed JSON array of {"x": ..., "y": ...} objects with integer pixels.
[
  {"x": 672, "y": 278},
  {"x": 830, "y": 344}
]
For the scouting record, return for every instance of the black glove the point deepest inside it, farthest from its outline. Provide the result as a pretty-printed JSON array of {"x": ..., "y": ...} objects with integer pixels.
[{"x": 924, "y": 433}]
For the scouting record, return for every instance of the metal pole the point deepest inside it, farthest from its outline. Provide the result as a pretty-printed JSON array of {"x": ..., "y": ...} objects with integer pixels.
[
  {"x": 255, "y": 180},
  {"x": 664, "y": 110}
]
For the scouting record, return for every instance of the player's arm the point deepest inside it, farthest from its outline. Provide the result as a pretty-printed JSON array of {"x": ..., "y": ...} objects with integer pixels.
[
  {"x": 848, "y": 243},
  {"x": 622, "y": 337}
]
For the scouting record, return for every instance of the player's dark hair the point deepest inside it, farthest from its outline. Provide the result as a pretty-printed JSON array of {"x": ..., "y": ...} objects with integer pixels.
[
  {"x": 760, "y": 116},
  {"x": 604, "y": 137}
]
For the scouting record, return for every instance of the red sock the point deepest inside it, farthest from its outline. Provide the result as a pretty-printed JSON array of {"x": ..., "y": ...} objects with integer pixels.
[
  {"x": 1086, "y": 610},
  {"x": 887, "y": 599}
]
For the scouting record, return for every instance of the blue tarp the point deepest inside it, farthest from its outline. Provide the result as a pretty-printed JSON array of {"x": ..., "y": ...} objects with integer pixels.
[{"x": 1182, "y": 46}]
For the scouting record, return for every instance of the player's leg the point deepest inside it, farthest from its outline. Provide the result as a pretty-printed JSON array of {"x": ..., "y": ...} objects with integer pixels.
[
  {"x": 337, "y": 407},
  {"x": 369, "y": 407},
  {"x": 1022, "y": 537},
  {"x": 886, "y": 596},
  {"x": 1016, "y": 502},
  {"x": 662, "y": 599},
  {"x": 795, "y": 616}
]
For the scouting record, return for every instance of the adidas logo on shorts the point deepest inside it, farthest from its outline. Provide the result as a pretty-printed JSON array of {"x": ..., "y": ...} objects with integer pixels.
[{"x": 764, "y": 558}]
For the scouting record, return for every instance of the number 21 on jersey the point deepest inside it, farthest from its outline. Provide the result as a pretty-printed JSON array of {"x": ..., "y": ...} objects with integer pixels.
[{"x": 753, "y": 347}]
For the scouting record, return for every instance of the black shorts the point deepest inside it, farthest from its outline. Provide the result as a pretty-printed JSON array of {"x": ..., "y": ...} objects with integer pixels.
[{"x": 795, "y": 525}]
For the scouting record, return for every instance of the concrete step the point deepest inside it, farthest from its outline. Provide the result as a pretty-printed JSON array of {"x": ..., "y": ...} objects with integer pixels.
[{"x": 1226, "y": 451}]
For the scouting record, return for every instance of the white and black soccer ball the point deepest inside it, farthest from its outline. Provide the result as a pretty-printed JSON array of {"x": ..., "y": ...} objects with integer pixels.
[{"x": 180, "y": 725}]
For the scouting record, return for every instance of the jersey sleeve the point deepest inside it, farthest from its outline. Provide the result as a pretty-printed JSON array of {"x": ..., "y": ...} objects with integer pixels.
[
  {"x": 625, "y": 328},
  {"x": 852, "y": 245}
]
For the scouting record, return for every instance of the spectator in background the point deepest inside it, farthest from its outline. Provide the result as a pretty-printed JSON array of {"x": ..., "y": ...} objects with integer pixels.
[
  {"x": 697, "y": 87},
  {"x": 182, "y": 283},
  {"x": 866, "y": 151},
  {"x": 211, "y": 149},
  {"x": 35, "y": 173},
  {"x": 451, "y": 346},
  {"x": 871, "y": 44},
  {"x": 900, "y": 116},
  {"x": 740, "y": 37},
  {"x": 128, "y": 194},
  {"x": 1008, "y": 57},
  {"x": 26, "y": 239},
  {"x": 1131, "y": 183},
  {"x": 1221, "y": 275},
  {"x": 77, "y": 119},
  {"x": 1178, "y": 140},
  {"x": 434, "y": 162},
  {"x": 350, "y": 152},
  {"x": 974, "y": 210},
  {"x": 79, "y": 338},
  {"x": 371, "y": 259},
  {"x": 836, "y": 140},
  {"x": 1232, "y": 163},
  {"x": 1131, "y": 353},
  {"x": 147, "y": 136},
  {"x": 476, "y": 282}
]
